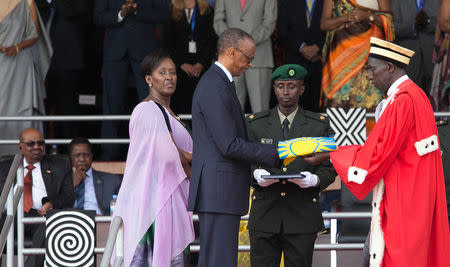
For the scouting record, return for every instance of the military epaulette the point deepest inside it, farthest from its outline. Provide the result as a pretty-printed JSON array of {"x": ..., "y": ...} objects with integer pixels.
[
  {"x": 259, "y": 115},
  {"x": 316, "y": 116},
  {"x": 441, "y": 123}
]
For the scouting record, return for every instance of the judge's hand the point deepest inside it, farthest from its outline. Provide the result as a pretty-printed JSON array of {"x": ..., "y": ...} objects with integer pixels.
[
  {"x": 316, "y": 158},
  {"x": 310, "y": 180},
  {"x": 46, "y": 207},
  {"x": 78, "y": 175},
  {"x": 421, "y": 20},
  {"x": 186, "y": 159},
  {"x": 261, "y": 181}
]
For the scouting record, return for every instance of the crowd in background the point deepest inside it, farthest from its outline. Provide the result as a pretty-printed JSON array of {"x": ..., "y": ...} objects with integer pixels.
[{"x": 86, "y": 54}]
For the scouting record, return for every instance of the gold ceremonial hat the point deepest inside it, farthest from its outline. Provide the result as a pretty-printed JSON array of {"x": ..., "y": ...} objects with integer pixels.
[{"x": 386, "y": 50}]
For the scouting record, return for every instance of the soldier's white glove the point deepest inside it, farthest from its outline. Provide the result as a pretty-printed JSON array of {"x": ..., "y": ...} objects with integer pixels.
[
  {"x": 261, "y": 181},
  {"x": 310, "y": 180}
]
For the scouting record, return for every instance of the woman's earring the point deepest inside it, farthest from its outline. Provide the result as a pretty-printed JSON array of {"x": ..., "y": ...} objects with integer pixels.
[{"x": 150, "y": 84}]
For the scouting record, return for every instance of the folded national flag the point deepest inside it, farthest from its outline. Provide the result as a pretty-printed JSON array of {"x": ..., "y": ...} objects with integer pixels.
[{"x": 304, "y": 146}]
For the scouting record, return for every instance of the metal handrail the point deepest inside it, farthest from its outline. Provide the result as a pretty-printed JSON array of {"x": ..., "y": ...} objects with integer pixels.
[
  {"x": 10, "y": 218},
  {"x": 13, "y": 196},
  {"x": 125, "y": 117},
  {"x": 10, "y": 180},
  {"x": 115, "y": 237}
]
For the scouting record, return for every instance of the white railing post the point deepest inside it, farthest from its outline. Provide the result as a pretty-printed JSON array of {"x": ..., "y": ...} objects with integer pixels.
[
  {"x": 20, "y": 225},
  {"x": 10, "y": 242},
  {"x": 119, "y": 247},
  {"x": 333, "y": 234}
]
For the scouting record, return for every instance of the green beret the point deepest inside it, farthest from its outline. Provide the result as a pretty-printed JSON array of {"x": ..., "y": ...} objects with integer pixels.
[{"x": 288, "y": 72}]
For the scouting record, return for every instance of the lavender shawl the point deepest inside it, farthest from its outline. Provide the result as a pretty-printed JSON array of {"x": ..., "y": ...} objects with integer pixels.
[{"x": 154, "y": 187}]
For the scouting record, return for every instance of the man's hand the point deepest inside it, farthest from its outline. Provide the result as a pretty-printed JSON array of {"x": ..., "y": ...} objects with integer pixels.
[
  {"x": 188, "y": 69},
  {"x": 78, "y": 175},
  {"x": 261, "y": 181},
  {"x": 128, "y": 8},
  {"x": 310, "y": 180},
  {"x": 316, "y": 158},
  {"x": 46, "y": 207},
  {"x": 310, "y": 52},
  {"x": 421, "y": 20},
  {"x": 197, "y": 68}
]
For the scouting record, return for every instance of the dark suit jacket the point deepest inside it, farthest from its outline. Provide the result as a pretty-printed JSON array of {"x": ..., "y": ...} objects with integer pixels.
[
  {"x": 222, "y": 154},
  {"x": 106, "y": 185},
  {"x": 57, "y": 176},
  {"x": 293, "y": 28},
  {"x": 69, "y": 31},
  {"x": 178, "y": 37},
  {"x": 298, "y": 210},
  {"x": 136, "y": 34}
]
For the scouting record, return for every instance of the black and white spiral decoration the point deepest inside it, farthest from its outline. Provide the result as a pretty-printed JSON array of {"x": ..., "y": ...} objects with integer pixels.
[{"x": 70, "y": 238}]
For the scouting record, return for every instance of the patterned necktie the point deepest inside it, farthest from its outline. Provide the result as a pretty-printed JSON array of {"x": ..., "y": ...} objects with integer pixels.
[
  {"x": 242, "y": 5},
  {"x": 79, "y": 203},
  {"x": 309, "y": 6},
  {"x": 27, "y": 189},
  {"x": 286, "y": 128}
]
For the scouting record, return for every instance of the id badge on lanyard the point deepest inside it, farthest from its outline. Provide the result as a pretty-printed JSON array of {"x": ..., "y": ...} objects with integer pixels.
[{"x": 192, "y": 48}]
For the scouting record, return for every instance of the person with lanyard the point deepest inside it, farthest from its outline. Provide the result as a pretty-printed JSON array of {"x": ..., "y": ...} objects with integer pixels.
[
  {"x": 191, "y": 41},
  {"x": 415, "y": 25}
]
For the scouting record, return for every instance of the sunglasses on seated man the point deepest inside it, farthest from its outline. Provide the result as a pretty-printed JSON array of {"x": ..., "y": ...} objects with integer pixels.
[{"x": 32, "y": 143}]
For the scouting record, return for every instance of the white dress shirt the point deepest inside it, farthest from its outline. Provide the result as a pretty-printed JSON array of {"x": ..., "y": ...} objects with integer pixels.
[
  {"x": 38, "y": 188},
  {"x": 90, "y": 199},
  {"x": 227, "y": 72}
]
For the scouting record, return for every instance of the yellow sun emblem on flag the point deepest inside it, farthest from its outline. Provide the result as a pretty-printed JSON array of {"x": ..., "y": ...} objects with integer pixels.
[{"x": 304, "y": 146}]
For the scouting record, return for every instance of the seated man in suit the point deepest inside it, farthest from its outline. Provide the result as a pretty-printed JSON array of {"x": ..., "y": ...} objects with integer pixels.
[
  {"x": 285, "y": 215},
  {"x": 47, "y": 185},
  {"x": 94, "y": 189}
]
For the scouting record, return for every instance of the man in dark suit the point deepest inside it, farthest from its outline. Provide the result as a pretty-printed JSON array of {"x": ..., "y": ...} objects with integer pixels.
[
  {"x": 70, "y": 29},
  {"x": 130, "y": 36},
  {"x": 47, "y": 185},
  {"x": 300, "y": 35},
  {"x": 286, "y": 214},
  {"x": 94, "y": 189},
  {"x": 222, "y": 154}
]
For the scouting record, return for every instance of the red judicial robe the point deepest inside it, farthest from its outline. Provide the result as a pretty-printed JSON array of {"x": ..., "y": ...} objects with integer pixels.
[{"x": 409, "y": 220}]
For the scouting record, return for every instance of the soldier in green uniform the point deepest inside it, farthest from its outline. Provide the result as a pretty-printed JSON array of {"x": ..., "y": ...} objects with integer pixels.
[
  {"x": 285, "y": 215},
  {"x": 444, "y": 140}
]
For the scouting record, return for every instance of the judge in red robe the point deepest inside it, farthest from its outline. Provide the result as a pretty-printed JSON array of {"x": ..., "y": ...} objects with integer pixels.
[{"x": 401, "y": 162}]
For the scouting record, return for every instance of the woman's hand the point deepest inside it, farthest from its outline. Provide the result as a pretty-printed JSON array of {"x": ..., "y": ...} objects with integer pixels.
[
  {"x": 186, "y": 160},
  {"x": 10, "y": 51},
  {"x": 358, "y": 15}
]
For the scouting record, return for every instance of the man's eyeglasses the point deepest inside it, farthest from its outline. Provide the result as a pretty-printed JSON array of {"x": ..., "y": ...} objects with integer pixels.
[
  {"x": 249, "y": 58},
  {"x": 32, "y": 143}
]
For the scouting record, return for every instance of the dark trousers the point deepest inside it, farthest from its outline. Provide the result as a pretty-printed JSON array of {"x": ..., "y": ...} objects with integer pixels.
[
  {"x": 218, "y": 239},
  {"x": 181, "y": 101},
  {"x": 63, "y": 90},
  {"x": 115, "y": 84},
  {"x": 266, "y": 249},
  {"x": 36, "y": 232}
]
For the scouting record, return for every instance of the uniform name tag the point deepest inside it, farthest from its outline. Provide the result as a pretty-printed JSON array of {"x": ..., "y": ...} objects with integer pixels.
[
  {"x": 266, "y": 141},
  {"x": 192, "y": 47}
]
